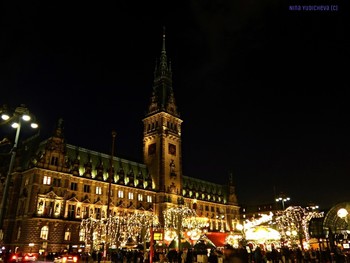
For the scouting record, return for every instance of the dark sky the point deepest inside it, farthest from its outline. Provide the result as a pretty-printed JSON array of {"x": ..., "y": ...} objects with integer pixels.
[{"x": 263, "y": 90}]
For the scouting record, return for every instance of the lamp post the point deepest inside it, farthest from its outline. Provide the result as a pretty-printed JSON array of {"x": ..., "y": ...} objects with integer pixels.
[
  {"x": 20, "y": 114},
  {"x": 283, "y": 200}
]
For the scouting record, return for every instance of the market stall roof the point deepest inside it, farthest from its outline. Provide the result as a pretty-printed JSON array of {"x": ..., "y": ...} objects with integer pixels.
[
  {"x": 262, "y": 233},
  {"x": 217, "y": 238}
]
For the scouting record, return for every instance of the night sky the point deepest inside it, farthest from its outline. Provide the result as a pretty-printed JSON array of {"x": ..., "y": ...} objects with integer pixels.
[{"x": 263, "y": 90}]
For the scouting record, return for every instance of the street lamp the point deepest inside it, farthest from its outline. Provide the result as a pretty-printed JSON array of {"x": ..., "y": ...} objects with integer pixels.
[
  {"x": 19, "y": 115},
  {"x": 283, "y": 200}
]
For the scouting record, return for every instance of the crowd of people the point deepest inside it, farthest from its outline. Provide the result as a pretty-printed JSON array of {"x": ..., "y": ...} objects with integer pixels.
[{"x": 229, "y": 254}]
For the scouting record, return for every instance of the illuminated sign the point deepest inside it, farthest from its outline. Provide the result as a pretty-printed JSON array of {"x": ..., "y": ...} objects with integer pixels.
[{"x": 158, "y": 236}]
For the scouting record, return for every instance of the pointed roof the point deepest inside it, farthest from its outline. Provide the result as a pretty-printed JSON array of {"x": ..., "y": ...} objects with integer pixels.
[
  {"x": 162, "y": 98},
  {"x": 59, "y": 129}
]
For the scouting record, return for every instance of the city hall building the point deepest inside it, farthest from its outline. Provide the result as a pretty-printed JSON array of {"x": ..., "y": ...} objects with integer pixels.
[{"x": 56, "y": 185}]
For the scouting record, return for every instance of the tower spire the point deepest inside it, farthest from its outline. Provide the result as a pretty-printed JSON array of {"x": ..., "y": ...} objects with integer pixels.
[
  {"x": 163, "y": 47},
  {"x": 163, "y": 58},
  {"x": 163, "y": 96}
]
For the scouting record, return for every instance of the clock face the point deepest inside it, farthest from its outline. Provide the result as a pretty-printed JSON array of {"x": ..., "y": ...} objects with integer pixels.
[
  {"x": 172, "y": 149},
  {"x": 151, "y": 149}
]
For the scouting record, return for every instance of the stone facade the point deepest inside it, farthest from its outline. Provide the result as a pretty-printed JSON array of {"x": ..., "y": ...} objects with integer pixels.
[{"x": 61, "y": 184}]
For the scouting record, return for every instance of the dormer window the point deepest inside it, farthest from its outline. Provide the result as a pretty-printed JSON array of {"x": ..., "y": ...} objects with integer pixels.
[{"x": 54, "y": 160}]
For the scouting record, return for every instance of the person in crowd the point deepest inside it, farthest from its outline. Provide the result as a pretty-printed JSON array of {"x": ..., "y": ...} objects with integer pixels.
[
  {"x": 231, "y": 255},
  {"x": 259, "y": 255}
]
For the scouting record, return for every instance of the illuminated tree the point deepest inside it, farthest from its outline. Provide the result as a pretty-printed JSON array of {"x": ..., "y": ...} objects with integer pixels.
[
  {"x": 293, "y": 223},
  {"x": 181, "y": 218},
  {"x": 140, "y": 225},
  {"x": 110, "y": 231}
]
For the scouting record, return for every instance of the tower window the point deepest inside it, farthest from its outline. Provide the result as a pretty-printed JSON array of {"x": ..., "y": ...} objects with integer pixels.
[
  {"x": 172, "y": 149},
  {"x": 151, "y": 149}
]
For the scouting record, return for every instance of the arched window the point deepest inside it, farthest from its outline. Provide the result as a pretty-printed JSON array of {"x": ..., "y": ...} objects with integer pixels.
[
  {"x": 44, "y": 232},
  {"x": 67, "y": 234}
]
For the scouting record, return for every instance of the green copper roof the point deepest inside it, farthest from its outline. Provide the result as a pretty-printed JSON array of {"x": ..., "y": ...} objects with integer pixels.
[{"x": 86, "y": 156}]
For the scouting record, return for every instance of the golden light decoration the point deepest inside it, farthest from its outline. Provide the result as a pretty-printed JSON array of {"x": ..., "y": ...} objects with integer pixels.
[
  {"x": 169, "y": 235},
  {"x": 262, "y": 233},
  {"x": 111, "y": 231},
  {"x": 139, "y": 225},
  {"x": 181, "y": 218},
  {"x": 342, "y": 213},
  {"x": 295, "y": 219}
]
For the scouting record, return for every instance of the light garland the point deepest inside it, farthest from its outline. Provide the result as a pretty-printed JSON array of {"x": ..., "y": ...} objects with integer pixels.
[
  {"x": 111, "y": 231},
  {"x": 139, "y": 225},
  {"x": 256, "y": 222},
  {"x": 183, "y": 219},
  {"x": 293, "y": 222},
  {"x": 115, "y": 231}
]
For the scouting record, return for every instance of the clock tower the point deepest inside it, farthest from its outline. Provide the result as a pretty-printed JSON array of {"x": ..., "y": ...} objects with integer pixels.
[{"x": 162, "y": 134}]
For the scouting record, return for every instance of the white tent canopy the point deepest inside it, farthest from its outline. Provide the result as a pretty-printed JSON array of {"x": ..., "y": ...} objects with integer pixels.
[{"x": 262, "y": 233}]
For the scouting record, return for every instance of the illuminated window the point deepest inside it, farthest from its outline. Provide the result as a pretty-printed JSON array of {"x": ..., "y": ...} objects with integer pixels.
[
  {"x": 149, "y": 199},
  {"x": 44, "y": 232},
  {"x": 40, "y": 206},
  {"x": 98, "y": 190},
  {"x": 131, "y": 195},
  {"x": 140, "y": 197},
  {"x": 121, "y": 194},
  {"x": 47, "y": 180},
  {"x": 67, "y": 234},
  {"x": 82, "y": 235}
]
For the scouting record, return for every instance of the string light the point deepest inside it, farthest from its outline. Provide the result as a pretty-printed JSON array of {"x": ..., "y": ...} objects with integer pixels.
[
  {"x": 115, "y": 231},
  {"x": 293, "y": 222}
]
